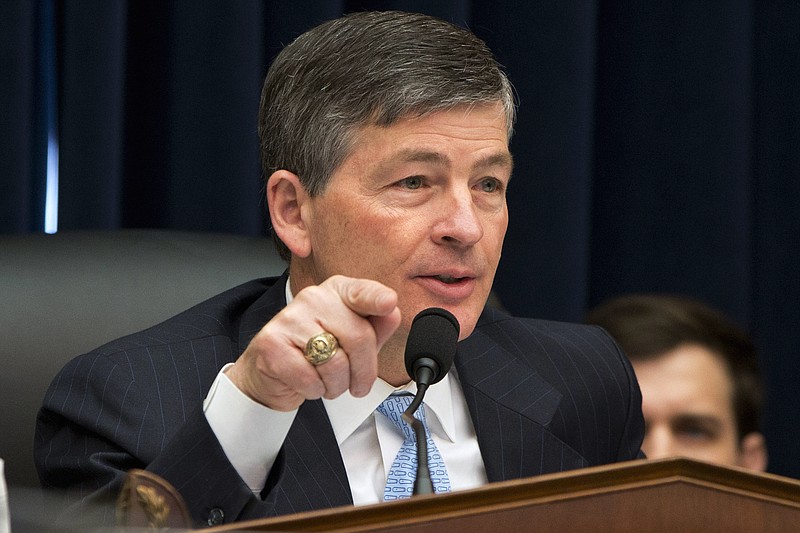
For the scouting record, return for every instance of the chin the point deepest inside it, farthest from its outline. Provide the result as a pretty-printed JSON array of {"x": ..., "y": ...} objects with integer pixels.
[
  {"x": 467, "y": 326},
  {"x": 467, "y": 318}
]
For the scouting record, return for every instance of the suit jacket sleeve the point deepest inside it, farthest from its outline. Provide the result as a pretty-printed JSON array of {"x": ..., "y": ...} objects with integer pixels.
[
  {"x": 137, "y": 403},
  {"x": 97, "y": 422}
]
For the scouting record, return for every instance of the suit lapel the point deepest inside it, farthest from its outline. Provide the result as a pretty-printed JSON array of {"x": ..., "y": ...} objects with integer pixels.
[
  {"x": 310, "y": 473},
  {"x": 511, "y": 407}
]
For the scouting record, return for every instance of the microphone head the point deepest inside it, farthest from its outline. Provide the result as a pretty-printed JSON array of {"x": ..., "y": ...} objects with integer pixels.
[{"x": 432, "y": 343}]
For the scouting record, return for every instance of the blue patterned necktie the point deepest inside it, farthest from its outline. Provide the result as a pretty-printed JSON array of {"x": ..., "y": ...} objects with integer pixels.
[{"x": 400, "y": 482}]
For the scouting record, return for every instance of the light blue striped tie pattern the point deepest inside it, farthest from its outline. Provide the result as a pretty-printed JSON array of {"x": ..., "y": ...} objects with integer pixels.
[{"x": 400, "y": 482}]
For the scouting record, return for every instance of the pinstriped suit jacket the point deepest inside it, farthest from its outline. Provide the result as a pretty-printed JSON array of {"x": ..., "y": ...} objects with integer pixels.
[{"x": 544, "y": 397}]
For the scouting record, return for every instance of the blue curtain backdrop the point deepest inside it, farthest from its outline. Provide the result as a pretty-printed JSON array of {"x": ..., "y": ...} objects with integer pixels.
[{"x": 658, "y": 144}]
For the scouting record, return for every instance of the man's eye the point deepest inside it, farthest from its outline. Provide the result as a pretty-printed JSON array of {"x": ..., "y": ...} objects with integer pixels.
[
  {"x": 489, "y": 185},
  {"x": 696, "y": 432},
  {"x": 413, "y": 182}
]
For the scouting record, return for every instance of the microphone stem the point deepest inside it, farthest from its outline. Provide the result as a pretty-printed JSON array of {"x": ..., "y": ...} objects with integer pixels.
[
  {"x": 417, "y": 401},
  {"x": 422, "y": 483}
]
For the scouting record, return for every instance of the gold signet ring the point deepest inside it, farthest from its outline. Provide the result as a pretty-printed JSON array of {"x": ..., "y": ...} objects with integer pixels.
[{"x": 320, "y": 348}]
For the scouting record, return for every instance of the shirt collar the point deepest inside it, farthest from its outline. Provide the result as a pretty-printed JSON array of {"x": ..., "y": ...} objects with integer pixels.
[{"x": 347, "y": 413}]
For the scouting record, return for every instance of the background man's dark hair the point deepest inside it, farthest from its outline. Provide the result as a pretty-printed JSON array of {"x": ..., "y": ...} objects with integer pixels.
[
  {"x": 368, "y": 68},
  {"x": 648, "y": 325}
]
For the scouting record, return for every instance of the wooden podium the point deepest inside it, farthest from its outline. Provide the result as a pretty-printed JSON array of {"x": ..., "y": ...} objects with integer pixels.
[{"x": 670, "y": 495}]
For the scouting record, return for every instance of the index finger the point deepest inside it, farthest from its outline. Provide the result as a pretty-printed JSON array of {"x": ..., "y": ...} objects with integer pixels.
[{"x": 364, "y": 297}]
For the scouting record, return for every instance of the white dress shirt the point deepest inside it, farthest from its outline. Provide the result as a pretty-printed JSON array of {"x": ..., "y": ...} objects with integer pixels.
[{"x": 251, "y": 434}]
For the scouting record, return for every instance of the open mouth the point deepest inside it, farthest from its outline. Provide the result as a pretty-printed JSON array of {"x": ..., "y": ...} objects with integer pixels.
[
  {"x": 451, "y": 287},
  {"x": 448, "y": 279}
]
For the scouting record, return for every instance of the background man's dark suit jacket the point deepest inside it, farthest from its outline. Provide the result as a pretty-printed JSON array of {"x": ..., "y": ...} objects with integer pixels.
[{"x": 544, "y": 397}]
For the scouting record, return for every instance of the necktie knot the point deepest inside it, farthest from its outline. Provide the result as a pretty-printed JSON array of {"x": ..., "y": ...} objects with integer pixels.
[{"x": 393, "y": 408}]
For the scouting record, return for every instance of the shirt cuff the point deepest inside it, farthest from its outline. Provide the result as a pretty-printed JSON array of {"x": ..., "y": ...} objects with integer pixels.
[{"x": 251, "y": 435}]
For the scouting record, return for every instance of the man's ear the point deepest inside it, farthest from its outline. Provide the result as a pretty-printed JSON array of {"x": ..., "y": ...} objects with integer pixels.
[
  {"x": 753, "y": 452},
  {"x": 285, "y": 197}
]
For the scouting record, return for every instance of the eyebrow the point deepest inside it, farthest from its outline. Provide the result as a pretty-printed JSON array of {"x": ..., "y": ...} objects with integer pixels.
[
  {"x": 502, "y": 159},
  {"x": 704, "y": 420}
]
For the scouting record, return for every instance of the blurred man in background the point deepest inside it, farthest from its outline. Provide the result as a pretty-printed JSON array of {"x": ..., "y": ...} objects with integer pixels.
[{"x": 699, "y": 377}]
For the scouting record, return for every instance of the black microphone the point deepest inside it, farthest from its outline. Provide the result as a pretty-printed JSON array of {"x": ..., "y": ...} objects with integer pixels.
[{"x": 430, "y": 350}]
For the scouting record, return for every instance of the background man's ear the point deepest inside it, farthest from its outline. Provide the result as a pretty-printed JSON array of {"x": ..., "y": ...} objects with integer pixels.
[
  {"x": 285, "y": 197},
  {"x": 753, "y": 452}
]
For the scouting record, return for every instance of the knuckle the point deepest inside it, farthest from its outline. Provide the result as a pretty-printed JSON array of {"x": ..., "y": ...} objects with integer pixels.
[
  {"x": 312, "y": 293},
  {"x": 337, "y": 279}
]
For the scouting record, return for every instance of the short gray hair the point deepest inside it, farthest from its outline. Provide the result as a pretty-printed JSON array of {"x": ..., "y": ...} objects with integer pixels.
[{"x": 367, "y": 68}]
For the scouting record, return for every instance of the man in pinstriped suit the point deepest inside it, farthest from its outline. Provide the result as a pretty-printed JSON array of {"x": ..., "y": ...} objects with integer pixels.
[{"x": 384, "y": 140}]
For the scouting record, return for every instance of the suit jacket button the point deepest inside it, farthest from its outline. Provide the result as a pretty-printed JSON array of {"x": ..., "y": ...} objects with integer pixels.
[{"x": 216, "y": 517}]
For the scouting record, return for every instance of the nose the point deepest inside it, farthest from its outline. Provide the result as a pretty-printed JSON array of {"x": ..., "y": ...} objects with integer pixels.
[
  {"x": 658, "y": 443},
  {"x": 459, "y": 222}
]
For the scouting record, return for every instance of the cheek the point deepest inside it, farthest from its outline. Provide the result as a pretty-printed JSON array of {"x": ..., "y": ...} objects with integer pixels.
[
  {"x": 494, "y": 234},
  {"x": 368, "y": 247}
]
